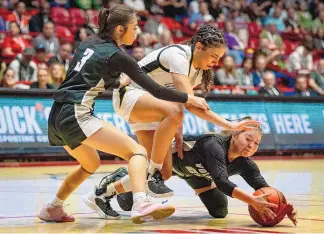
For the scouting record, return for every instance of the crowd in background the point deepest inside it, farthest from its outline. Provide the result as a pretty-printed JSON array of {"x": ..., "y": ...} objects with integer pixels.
[{"x": 273, "y": 47}]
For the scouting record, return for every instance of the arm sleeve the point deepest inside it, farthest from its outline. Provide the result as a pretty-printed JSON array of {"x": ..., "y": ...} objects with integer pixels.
[
  {"x": 251, "y": 174},
  {"x": 216, "y": 166},
  {"x": 123, "y": 63}
]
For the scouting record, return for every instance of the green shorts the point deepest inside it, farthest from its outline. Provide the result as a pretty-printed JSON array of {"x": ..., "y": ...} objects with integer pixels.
[{"x": 70, "y": 124}]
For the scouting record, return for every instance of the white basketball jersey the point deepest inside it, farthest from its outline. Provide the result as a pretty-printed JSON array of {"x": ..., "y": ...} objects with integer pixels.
[{"x": 160, "y": 63}]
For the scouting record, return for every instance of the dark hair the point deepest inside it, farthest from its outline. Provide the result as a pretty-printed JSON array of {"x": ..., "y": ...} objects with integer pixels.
[
  {"x": 208, "y": 36},
  {"x": 110, "y": 19}
]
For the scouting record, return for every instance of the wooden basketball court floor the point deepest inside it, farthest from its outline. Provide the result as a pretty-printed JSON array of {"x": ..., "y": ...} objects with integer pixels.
[{"x": 23, "y": 191}]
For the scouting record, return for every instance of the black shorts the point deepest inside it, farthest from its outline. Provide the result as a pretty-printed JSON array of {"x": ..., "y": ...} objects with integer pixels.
[
  {"x": 195, "y": 182},
  {"x": 70, "y": 124}
]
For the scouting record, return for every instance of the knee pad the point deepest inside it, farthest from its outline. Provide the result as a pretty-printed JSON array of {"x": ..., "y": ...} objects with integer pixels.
[
  {"x": 215, "y": 202},
  {"x": 125, "y": 201}
]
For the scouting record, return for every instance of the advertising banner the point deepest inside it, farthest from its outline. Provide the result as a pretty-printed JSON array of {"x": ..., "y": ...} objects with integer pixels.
[{"x": 286, "y": 125}]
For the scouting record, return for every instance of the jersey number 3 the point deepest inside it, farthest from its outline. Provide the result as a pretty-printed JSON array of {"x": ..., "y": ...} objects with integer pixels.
[{"x": 86, "y": 55}]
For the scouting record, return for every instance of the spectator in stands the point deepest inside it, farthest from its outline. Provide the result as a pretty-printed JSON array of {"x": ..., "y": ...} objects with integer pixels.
[
  {"x": 8, "y": 79},
  {"x": 240, "y": 20},
  {"x": 153, "y": 25},
  {"x": 145, "y": 41},
  {"x": 57, "y": 74},
  {"x": 25, "y": 69},
  {"x": 86, "y": 4},
  {"x": 319, "y": 22},
  {"x": 64, "y": 56},
  {"x": 203, "y": 9},
  {"x": 61, "y": 3},
  {"x": 80, "y": 35},
  {"x": 269, "y": 88},
  {"x": 173, "y": 8},
  {"x": 255, "y": 11},
  {"x": 234, "y": 43},
  {"x": 301, "y": 88},
  {"x": 318, "y": 39},
  {"x": 291, "y": 22},
  {"x": 4, "y": 4},
  {"x": 42, "y": 80},
  {"x": 244, "y": 74},
  {"x": 165, "y": 39},
  {"x": 138, "y": 53},
  {"x": 138, "y": 6},
  {"x": 14, "y": 43},
  {"x": 226, "y": 75},
  {"x": 316, "y": 81},
  {"x": 274, "y": 38},
  {"x": 276, "y": 19},
  {"x": 279, "y": 6},
  {"x": 48, "y": 38},
  {"x": 40, "y": 57},
  {"x": 304, "y": 17},
  {"x": 215, "y": 9},
  {"x": 2, "y": 24},
  {"x": 260, "y": 64},
  {"x": 37, "y": 22},
  {"x": 19, "y": 16},
  {"x": 302, "y": 57},
  {"x": 195, "y": 18}
]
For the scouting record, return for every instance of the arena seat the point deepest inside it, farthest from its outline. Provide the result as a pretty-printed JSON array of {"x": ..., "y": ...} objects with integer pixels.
[{"x": 60, "y": 16}]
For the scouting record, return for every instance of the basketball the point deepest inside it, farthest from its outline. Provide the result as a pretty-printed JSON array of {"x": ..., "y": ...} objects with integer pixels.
[{"x": 275, "y": 197}]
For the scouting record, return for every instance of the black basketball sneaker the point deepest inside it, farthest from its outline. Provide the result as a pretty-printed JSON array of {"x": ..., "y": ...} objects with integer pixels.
[
  {"x": 156, "y": 187},
  {"x": 98, "y": 201}
]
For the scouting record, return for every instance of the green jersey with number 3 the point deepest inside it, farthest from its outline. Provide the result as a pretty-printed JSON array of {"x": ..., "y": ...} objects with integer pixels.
[{"x": 89, "y": 73}]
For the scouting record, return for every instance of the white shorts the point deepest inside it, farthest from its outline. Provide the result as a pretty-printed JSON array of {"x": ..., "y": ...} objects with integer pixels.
[{"x": 124, "y": 109}]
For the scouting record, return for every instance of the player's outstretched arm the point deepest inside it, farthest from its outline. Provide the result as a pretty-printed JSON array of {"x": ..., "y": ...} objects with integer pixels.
[
  {"x": 182, "y": 84},
  {"x": 125, "y": 64}
]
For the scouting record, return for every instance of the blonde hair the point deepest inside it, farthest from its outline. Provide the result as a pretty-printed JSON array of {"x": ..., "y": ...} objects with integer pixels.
[{"x": 51, "y": 80}]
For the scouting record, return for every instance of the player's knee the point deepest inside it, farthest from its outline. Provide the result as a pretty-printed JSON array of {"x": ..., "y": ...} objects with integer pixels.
[
  {"x": 140, "y": 150},
  {"x": 177, "y": 112},
  {"x": 215, "y": 202},
  {"x": 93, "y": 166},
  {"x": 219, "y": 213}
]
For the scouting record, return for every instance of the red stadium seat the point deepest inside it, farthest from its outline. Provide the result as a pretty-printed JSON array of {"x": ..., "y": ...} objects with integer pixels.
[
  {"x": 60, "y": 16},
  {"x": 78, "y": 16},
  {"x": 64, "y": 34},
  {"x": 170, "y": 23}
]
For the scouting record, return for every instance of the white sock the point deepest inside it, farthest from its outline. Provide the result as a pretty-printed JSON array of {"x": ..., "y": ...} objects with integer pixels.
[
  {"x": 56, "y": 202},
  {"x": 154, "y": 166},
  {"x": 111, "y": 190},
  {"x": 138, "y": 196},
  {"x": 125, "y": 181}
]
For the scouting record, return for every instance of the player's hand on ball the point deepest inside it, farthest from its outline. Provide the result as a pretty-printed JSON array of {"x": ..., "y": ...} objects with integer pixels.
[
  {"x": 263, "y": 207},
  {"x": 292, "y": 213}
]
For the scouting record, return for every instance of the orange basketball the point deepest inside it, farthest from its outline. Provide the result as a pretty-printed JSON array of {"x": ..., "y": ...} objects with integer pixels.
[{"x": 275, "y": 197}]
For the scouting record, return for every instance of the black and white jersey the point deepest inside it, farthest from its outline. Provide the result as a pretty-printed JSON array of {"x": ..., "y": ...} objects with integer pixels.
[
  {"x": 207, "y": 156},
  {"x": 160, "y": 63}
]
